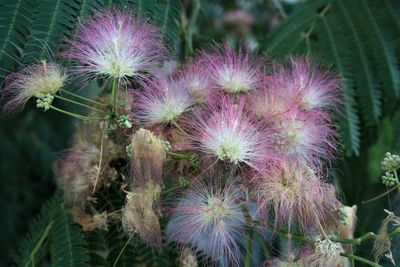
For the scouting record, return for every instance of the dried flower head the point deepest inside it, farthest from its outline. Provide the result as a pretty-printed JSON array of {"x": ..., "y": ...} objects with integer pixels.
[
  {"x": 348, "y": 221},
  {"x": 115, "y": 44},
  {"x": 162, "y": 101},
  {"x": 39, "y": 80},
  {"x": 227, "y": 132},
  {"x": 88, "y": 221},
  {"x": 188, "y": 258},
  {"x": 231, "y": 71},
  {"x": 383, "y": 244},
  {"x": 140, "y": 216},
  {"x": 292, "y": 193},
  {"x": 148, "y": 155},
  {"x": 84, "y": 169},
  {"x": 327, "y": 253},
  {"x": 209, "y": 219}
]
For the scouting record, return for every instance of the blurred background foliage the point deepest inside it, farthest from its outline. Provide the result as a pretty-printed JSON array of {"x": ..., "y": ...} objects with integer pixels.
[{"x": 360, "y": 39}]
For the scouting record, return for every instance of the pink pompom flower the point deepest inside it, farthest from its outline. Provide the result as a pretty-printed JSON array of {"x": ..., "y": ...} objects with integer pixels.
[
  {"x": 197, "y": 81},
  {"x": 209, "y": 219},
  {"x": 231, "y": 71},
  {"x": 161, "y": 101},
  {"x": 115, "y": 44},
  {"x": 292, "y": 192},
  {"x": 307, "y": 136},
  {"x": 39, "y": 80},
  {"x": 228, "y": 133},
  {"x": 315, "y": 88}
]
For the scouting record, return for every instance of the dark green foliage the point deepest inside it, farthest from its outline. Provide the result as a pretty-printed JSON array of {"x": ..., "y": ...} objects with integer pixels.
[
  {"x": 15, "y": 22},
  {"x": 67, "y": 247},
  {"x": 53, "y": 233},
  {"x": 34, "y": 247},
  {"x": 355, "y": 37}
]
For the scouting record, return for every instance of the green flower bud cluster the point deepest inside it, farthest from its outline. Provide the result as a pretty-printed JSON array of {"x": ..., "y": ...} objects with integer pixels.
[
  {"x": 183, "y": 182},
  {"x": 166, "y": 145},
  {"x": 194, "y": 160},
  {"x": 45, "y": 102},
  {"x": 124, "y": 122},
  {"x": 389, "y": 179},
  {"x": 391, "y": 162}
]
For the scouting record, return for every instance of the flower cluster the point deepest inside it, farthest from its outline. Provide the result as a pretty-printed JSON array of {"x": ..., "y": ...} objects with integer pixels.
[{"x": 229, "y": 131}]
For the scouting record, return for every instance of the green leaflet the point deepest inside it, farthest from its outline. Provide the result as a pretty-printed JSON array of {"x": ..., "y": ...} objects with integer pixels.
[{"x": 53, "y": 232}]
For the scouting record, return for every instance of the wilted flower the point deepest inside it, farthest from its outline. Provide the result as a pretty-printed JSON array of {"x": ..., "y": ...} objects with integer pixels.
[
  {"x": 188, "y": 258},
  {"x": 161, "y": 101},
  {"x": 327, "y": 253},
  {"x": 229, "y": 134},
  {"x": 139, "y": 215},
  {"x": 209, "y": 219},
  {"x": 292, "y": 193},
  {"x": 314, "y": 88},
  {"x": 115, "y": 44},
  {"x": 348, "y": 221},
  {"x": 39, "y": 80},
  {"x": 231, "y": 71},
  {"x": 83, "y": 170},
  {"x": 383, "y": 244},
  {"x": 147, "y": 158}
]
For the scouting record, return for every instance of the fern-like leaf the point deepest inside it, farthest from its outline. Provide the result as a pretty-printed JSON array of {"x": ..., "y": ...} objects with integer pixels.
[
  {"x": 15, "y": 25},
  {"x": 67, "y": 243},
  {"x": 54, "y": 19},
  {"x": 35, "y": 246}
]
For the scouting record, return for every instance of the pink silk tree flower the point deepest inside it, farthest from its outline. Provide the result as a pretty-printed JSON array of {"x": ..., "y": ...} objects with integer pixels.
[
  {"x": 307, "y": 136},
  {"x": 115, "y": 44},
  {"x": 269, "y": 104},
  {"x": 228, "y": 133},
  {"x": 291, "y": 192},
  {"x": 209, "y": 219},
  {"x": 39, "y": 80},
  {"x": 231, "y": 71},
  {"x": 197, "y": 80},
  {"x": 161, "y": 101},
  {"x": 315, "y": 88}
]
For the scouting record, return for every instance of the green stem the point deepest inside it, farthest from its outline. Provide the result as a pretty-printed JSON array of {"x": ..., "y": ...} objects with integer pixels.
[
  {"x": 39, "y": 244},
  {"x": 263, "y": 246},
  {"x": 82, "y": 97},
  {"x": 183, "y": 156},
  {"x": 180, "y": 129},
  {"x": 360, "y": 259},
  {"x": 114, "y": 93},
  {"x": 249, "y": 248},
  {"x": 351, "y": 251},
  {"x": 278, "y": 6},
  {"x": 171, "y": 189},
  {"x": 122, "y": 250},
  {"x": 381, "y": 195},
  {"x": 354, "y": 241},
  {"x": 81, "y": 117},
  {"x": 77, "y": 103}
]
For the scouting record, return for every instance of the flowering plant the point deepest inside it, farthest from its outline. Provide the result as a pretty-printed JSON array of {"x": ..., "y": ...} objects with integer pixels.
[{"x": 215, "y": 158}]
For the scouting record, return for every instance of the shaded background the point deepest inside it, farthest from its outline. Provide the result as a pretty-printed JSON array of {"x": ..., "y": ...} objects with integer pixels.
[{"x": 359, "y": 38}]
